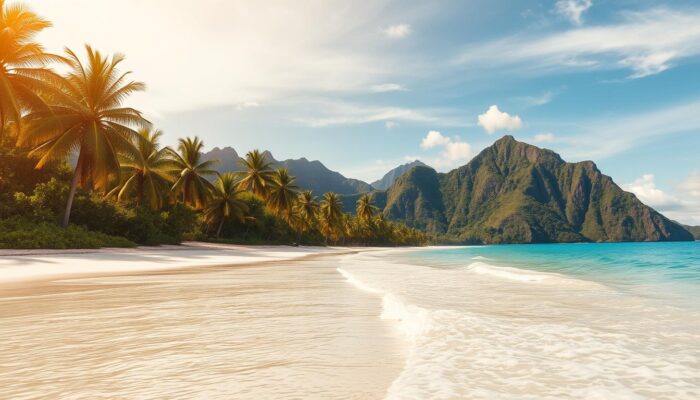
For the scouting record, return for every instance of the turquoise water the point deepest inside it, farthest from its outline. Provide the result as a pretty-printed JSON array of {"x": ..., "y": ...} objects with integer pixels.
[
  {"x": 559, "y": 321},
  {"x": 671, "y": 267}
]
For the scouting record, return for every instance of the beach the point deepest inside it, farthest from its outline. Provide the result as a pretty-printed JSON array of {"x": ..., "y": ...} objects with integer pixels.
[
  {"x": 209, "y": 322},
  {"x": 513, "y": 322}
]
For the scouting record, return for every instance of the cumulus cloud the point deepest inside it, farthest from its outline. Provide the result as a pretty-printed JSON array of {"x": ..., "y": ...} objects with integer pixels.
[
  {"x": 398, "y": 31},
  {"x": 387, "y": 87},
  {"x": 645, "y": 189},
  {"x": 682, "y": 206},
  {"x": 434, "y": 139},
  {"x": 572, "y": 10},
  {"x": 454, "y": 152},
  {"x": 390, "y": 124},
  {"x": 545, "y": 137},
  {"x": 495, "y": 120}
]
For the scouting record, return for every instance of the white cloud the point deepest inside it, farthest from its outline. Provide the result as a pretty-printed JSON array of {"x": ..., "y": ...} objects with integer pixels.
[
  {"x": 433, "y": 139},
  {"x": 387, "y": 87},
  {"x": 390, "y": 124},
  {"x": 495, "y": 120},
  {"x": 455, "y": 152},
  {"x": 545, "y": 137},
  {"x": 646, "y": 42},
  {"x": 247, "y": 104},
  {"x": 535, "y": 101},
  {"x": 683, "y": 207},
  {"x": 573, "y": 9},
  {"x": 330, "y": 113},
  {"x": 397, "y": 31},
  {"x": 617, "y": 134},
  {"x": 228, "y": 52},
  {"x": 645, "y": 189},
  {"x": 691, "y": 185}
]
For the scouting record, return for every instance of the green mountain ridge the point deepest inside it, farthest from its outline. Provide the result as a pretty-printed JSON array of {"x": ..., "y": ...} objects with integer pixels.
[
  {"x": 390, "y": 177},
  {"x": 310, "y": 175},
  {"x": 513, "y": 192}
]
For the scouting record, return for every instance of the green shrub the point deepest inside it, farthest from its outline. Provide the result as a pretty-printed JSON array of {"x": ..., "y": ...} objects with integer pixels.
[{"x": 23, "y": 233}]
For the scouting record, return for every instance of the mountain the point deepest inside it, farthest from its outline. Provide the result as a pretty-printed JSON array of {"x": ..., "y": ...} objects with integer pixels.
[
  {"x": 513, "y": 192},
  {"x": 314, "y": 176},
  {"x": 391, "y": 176},
  {"x": 694, "y": 230},
  {"x": 228, "y": 159},
  {"x": 311, "y": 175}
]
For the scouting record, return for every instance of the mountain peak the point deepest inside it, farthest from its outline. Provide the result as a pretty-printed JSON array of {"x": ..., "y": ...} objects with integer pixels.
[{"x": 390, "y": 177}]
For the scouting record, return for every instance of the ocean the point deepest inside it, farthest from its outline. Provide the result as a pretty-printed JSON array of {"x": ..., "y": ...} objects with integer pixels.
[{"x": 584, "y": 321}]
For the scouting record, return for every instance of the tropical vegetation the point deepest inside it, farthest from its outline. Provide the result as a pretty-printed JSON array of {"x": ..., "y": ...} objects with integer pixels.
[{"x": 79, "y": 167}]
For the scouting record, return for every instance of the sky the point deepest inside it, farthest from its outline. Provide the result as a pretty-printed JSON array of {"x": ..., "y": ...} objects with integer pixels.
[{"x": 366, "y": 86}]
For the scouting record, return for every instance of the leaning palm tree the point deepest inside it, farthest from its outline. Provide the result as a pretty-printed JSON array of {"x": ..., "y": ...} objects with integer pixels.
[
  {"x": 192, "y": 184},
  {"x": 258, "y": 174},
  {"x": 365, "y": 208},
  {"x": 225, "y": 202},
  {"x": 330, "y": 215},
  {"x": 147, "y": 177},
  {"x": 24, "y": 77},
  {"x": 282, "y": 194},
  {"x": 87, "y": 118}
]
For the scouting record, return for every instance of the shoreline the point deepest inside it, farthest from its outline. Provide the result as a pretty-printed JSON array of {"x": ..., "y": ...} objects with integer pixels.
[{"x": 22, "y": 267}]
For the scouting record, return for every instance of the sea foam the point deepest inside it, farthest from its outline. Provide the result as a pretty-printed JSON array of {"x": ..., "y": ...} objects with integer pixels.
[{"x": 486, "y": 331}]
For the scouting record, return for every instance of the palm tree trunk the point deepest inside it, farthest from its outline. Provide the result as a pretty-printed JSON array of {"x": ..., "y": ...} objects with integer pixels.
[
  {"x": 71, "y": 193},
  {"x": 218, "y": 231}
]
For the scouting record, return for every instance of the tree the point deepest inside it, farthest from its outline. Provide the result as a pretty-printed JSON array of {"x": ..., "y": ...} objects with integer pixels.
[
  {"x": 225, "y": 202},
  {"x": 365, "y": 208},
  {"x": 23, "y": 76},
  {"x": 330, "y": 215},
  {"x": 147, "y": 177},
  {"x": 282, "y": 194},
  {"x": 87, "y": 117},
  {"x": 258, "y": 174},
  {"x": 192, "y": 184}
]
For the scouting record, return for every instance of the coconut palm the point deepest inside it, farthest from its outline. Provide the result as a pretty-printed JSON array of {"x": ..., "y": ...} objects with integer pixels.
[
  {"x": 192, "y": 184},
  {"x": 88, "y": 118},
  {"x": 282, "y": 193},
  {"x": 307, "y": 207},
  {"x": 23, "y": 76},
  {"x": 258, "y": 174},
  {"x": 147, "y": 177},
  {"x": 365, "y": 208},
  {"x": 330, "y": 215},
  {"x": 225, "y": 202}
]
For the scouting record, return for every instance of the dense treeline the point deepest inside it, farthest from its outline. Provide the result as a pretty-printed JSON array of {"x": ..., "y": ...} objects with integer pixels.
[{"x": 79, "y": 168}]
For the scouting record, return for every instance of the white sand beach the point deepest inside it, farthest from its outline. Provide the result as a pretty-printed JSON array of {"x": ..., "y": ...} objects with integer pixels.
[
  {"x": 194, "y": 321},
  {"x": 35, "y": 265}
]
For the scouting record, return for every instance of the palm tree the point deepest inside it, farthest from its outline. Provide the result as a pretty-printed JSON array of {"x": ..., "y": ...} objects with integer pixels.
[
  {"x": 225, "y": 202},
  {"x": 23, "y": 76},
  {"x": 148, "y": 176},
  {"x": 192, "y": 184},
  {"x": 307, "y": 212},
  {"x": 87, "y": 116},
  {"x": 330, "y": 214},
  {"x": 282, "y": 194},
  {"x": 258, "y": 175},
  {"x": 365, "y": 208}
]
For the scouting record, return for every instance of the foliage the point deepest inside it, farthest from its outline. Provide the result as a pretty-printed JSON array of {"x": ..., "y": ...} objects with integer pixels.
[
  {"x": 147, "y": 176},
  {"x": 258, "y": 174},
  {"x": 192, "y": 184},
  {"x": 23, "y": 233}
]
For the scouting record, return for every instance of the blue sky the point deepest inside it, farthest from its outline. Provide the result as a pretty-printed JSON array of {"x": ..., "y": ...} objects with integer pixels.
[{"x": 365, "y": 86}]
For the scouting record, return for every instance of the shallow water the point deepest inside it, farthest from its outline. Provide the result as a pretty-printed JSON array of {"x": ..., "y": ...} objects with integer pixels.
[
  {"x": 288, "y": 330},
  {"x": 542, "y": 322}
]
